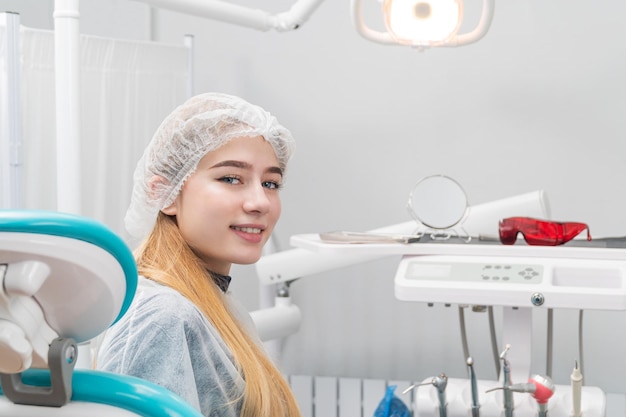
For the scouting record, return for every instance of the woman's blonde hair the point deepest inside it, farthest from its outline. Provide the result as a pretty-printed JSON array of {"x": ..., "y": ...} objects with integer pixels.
[{"x": 166, "y": 258}]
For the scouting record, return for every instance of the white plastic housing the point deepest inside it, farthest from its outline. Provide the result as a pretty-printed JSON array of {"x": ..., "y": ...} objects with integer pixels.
[{"x": 86, "y": 286}]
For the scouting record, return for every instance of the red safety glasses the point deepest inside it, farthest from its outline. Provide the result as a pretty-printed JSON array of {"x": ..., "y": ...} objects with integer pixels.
[{"x": 539, "y": 232}]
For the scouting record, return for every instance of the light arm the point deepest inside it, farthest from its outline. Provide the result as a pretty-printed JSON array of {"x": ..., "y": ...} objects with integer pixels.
[{"x": 299, "y": 13}]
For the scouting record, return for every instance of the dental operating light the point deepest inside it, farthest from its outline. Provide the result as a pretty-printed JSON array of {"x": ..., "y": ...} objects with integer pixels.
[
  {"x": 436, "y": 21},
  {"x": 423, "y": 23}
]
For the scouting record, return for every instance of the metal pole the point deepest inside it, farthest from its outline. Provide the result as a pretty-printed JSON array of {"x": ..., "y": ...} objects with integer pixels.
[
  {"x": 67, "y": 78},
  {"x": 11, "y": 108}
]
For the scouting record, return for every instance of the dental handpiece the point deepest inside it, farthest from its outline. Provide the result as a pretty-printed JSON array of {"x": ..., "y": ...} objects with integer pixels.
[
  {"x": 440, "y": 382},
  {"x": 475, "y": 404},
  {"x": 541, "y": 388},
  {"x": 577, "y": 381},
  {"x": 543, "y": 391},
  {"x": 507, "y": 395}
]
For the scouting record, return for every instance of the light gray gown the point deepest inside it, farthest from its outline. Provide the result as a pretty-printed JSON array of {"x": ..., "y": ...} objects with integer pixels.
[{"x": 165, "y": 339}]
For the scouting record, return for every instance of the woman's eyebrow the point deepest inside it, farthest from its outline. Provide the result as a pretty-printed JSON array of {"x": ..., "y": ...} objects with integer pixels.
[
  {"x": 231, "y": 163},
  {"x": 275, "y": 170},
  {"x": 245, "y": 165}
]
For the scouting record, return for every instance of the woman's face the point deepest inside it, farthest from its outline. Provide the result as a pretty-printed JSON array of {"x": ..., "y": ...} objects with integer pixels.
[{"x": 229, "y": 206}]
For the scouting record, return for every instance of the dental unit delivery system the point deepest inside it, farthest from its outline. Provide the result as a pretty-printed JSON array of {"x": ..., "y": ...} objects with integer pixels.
[{"x": 518, "y": 278}]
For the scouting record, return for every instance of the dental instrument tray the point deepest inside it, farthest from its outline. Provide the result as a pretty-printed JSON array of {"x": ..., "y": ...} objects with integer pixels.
[
  {"x": 388, "y": 243},
  {"x": 363, "y": 237},
  {"x": 313, "y": 254},
  {"x": 347, "y": 237}
]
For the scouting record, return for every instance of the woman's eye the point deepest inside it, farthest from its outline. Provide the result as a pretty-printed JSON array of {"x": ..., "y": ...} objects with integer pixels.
[
  {"x": 272, "y": 185},
  {"x": 230, "y": 180}
]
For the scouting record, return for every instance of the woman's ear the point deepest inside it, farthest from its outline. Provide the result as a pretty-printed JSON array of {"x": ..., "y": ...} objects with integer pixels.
[
  {"x": 171, "y": 210},
  {"x": 157, "y": 182}
]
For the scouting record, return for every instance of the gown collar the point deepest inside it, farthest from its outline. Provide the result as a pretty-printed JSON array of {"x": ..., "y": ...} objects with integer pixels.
[{"x": 222, "y": 281}]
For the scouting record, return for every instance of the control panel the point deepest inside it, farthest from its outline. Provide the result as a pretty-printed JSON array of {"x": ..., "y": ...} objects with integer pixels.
[
  {"x": 495, "y": 272},
  {"x": 513, "y": 281}
]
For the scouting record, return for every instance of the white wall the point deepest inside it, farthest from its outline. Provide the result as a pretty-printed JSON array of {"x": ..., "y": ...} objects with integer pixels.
[{"x": 537, "y": 104}]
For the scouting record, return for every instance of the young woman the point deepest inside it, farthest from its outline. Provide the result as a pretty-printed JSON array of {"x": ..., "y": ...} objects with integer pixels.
[{"x": 205, "y": 196}]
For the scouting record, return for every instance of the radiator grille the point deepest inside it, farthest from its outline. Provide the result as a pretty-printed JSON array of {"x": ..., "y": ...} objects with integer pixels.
[{"x": 320, "y": 396}]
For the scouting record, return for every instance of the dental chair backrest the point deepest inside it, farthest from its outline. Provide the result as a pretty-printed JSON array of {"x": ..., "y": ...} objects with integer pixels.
[{"x": 64, "y": 279}]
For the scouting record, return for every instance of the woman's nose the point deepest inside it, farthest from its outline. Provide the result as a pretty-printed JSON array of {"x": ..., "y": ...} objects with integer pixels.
[{"x": 257, "y": 200}]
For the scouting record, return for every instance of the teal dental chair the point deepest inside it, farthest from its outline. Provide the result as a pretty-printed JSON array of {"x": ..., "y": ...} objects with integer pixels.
[{"x": 64, "y": 280}]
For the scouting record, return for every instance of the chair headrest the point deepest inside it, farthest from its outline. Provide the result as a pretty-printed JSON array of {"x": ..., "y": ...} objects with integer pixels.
[{"x": 81, "y": 274}]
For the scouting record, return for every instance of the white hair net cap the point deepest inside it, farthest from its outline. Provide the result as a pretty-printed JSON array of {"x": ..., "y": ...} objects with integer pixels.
[{"x": 200, "y": 125}]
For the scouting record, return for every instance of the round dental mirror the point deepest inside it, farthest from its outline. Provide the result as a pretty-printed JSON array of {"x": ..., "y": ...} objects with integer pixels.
[{"x": 438, "y": 202}]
